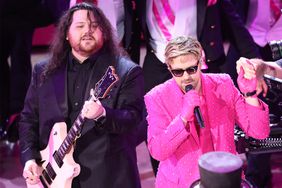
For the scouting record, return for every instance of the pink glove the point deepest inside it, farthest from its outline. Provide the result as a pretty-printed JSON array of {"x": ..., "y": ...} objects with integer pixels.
[
  {"x": 246, "y": 85},
  {"x": 190, "y": 101}
]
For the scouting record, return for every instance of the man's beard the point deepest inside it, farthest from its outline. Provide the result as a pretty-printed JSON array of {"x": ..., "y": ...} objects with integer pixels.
[{"x": 87, "y": 46}]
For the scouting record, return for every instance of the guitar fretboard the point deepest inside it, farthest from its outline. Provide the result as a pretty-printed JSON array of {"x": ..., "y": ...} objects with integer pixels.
[{"x": 72, "y": 135}]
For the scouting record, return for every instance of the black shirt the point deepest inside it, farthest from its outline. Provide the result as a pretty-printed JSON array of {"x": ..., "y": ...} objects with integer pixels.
[{"x": 78, "y": 76}]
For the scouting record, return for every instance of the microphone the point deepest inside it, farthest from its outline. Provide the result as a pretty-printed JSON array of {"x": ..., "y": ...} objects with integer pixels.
[{"x": 197, "y": 111}]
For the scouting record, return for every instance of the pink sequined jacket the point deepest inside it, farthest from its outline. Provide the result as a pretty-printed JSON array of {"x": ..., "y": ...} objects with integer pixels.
[{"x": 176, "y": 147}]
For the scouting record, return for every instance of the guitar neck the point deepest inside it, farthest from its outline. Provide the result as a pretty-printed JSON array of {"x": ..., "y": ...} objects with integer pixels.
[
  {"x": 72, "y": 135},
  {"x": 102, "y": 88}
]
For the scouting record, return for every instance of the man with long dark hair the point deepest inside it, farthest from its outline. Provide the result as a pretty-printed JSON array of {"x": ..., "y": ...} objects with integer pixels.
[{"x": 83, "y": 49}]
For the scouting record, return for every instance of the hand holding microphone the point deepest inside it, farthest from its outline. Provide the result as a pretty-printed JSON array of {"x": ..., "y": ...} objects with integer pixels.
[{"x": 191, "y": 106}]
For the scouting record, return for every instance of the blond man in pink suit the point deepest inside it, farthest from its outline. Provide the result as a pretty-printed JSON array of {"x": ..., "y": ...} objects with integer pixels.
[{"x": 174, "y": 135}]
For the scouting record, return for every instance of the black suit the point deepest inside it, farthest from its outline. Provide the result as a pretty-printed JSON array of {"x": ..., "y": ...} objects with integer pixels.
[
  {"x": 132, "y": 30},
  {"x": 106, "y": 157}
]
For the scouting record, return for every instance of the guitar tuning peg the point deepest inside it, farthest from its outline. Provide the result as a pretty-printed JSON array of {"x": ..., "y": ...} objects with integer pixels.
[{"x": 92, "y": 94}]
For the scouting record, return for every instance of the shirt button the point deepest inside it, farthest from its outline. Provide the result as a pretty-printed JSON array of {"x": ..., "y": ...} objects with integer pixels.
[
  {"x": 76, "y": 103},
  {"x": 212, "y": 43},
  {"x": 77, "y": 87}
]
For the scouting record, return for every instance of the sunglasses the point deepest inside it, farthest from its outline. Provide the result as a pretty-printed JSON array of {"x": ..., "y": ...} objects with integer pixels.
[{"x": 189, "y": 70}]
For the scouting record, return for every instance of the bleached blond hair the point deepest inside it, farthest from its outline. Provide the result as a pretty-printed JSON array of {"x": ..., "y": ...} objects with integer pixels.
[{"x": 182, "y": 45}]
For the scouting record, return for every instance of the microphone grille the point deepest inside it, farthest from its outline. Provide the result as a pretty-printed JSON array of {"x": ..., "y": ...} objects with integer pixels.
[{"x": 188, "y": 88}]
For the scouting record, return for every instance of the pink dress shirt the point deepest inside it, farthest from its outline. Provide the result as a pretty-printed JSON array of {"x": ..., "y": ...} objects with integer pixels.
[{"x": 178, "y": 148}]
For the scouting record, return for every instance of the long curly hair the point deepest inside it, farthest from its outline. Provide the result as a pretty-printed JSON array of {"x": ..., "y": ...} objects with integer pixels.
[{"x": 60, "y": 47}]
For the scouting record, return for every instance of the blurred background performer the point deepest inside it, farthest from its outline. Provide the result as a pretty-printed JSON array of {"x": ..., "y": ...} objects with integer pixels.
[
  {"x": 18, "y": 21},
  {"x": 264, "y": 22}
]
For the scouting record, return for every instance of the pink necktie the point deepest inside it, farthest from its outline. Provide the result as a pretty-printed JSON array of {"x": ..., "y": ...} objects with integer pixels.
[
  {"x": 206, "y": 140},
  {"x": 161, "y": 13},
  {"x": 211, "y": 2},
  {"x": 276, "y": 9},
  {"x": 93, "y": 1}
]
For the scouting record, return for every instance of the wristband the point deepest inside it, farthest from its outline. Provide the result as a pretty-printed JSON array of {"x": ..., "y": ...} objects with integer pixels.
[{"x": 250, "y": 94}]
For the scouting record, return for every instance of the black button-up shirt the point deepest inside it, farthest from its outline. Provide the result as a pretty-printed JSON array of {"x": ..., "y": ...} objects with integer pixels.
[{"x": 78, "y": 76}]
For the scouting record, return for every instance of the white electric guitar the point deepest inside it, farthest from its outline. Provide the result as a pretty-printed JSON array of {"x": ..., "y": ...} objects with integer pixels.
[{"x": 58, "y": 165}]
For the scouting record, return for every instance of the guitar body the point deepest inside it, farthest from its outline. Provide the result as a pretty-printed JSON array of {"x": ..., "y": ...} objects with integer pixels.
[{"x": 68, "y": 170}]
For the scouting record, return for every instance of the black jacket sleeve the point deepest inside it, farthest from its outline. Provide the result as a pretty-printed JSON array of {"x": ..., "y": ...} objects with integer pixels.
[
  {"x": 29, "y": 122},
  {"x": 127, "y": 111}
]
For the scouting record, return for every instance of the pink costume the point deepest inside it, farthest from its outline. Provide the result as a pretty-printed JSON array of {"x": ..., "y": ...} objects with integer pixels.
[{"x": 178, "y": 148}]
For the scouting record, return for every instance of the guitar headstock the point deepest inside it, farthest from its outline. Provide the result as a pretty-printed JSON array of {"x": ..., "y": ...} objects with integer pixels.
[{"x": 105, "y": 84}]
